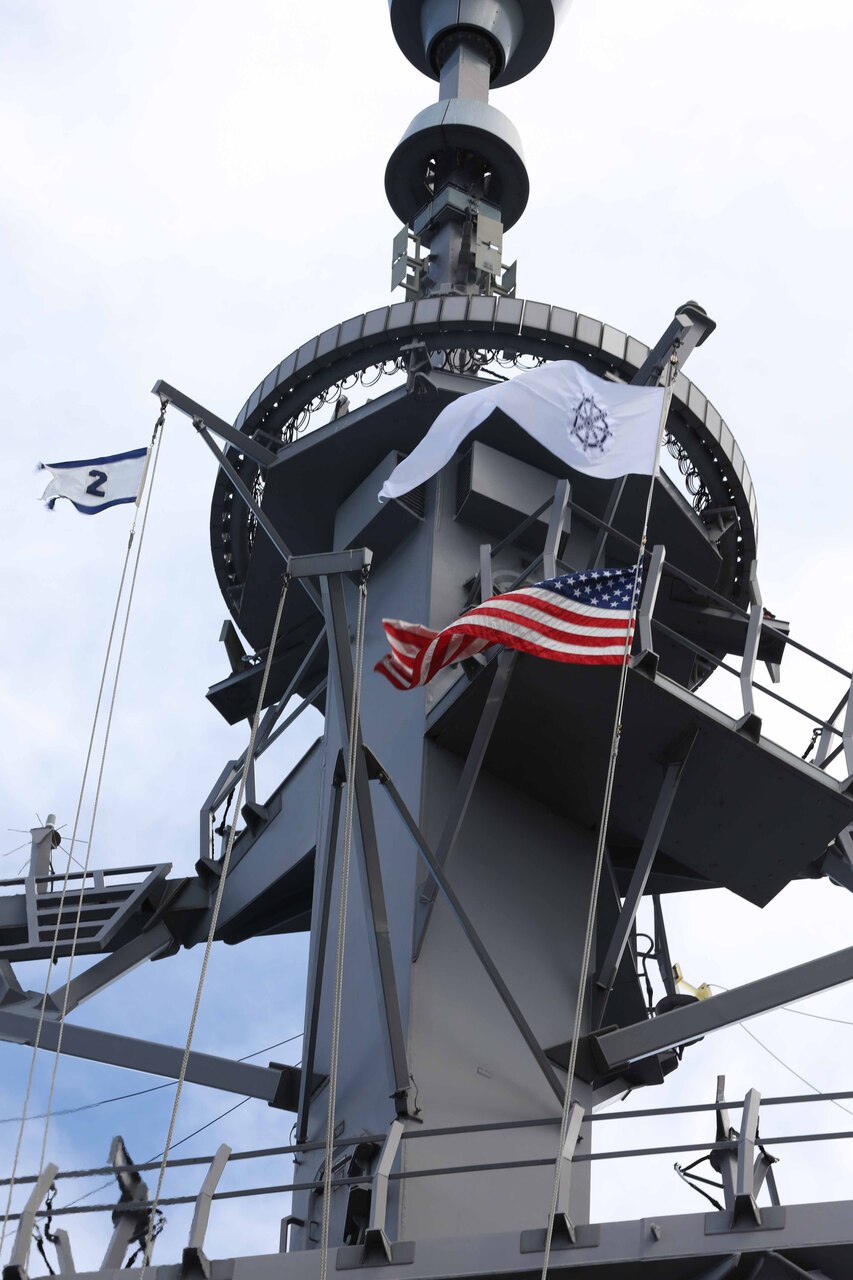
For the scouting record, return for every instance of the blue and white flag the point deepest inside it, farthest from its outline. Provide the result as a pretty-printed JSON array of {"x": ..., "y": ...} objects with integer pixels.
[
  {"x": 606, "y": 429},
  {"x": 93, "y": 484}
]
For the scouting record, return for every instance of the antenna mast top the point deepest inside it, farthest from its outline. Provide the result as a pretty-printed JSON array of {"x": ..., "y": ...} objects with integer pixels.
[
  {"x": 457, "y": 178},
  {"x": 518, "y": 32}
]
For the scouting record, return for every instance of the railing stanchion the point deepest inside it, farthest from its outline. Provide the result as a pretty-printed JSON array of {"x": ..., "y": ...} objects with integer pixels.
[{"x": 750, "y": 723}]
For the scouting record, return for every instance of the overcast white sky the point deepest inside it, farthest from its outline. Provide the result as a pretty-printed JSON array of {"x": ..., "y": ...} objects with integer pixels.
[{"x": 189, "y": 191}]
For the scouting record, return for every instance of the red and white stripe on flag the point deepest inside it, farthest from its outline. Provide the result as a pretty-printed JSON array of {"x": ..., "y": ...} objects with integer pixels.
[{"x": 583, "y": 618}]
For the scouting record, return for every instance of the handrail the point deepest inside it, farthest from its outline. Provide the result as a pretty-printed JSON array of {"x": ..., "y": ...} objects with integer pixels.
[
  {"x": 724, "y": 666},
  {"x": 349, "y": 1140},
  {"x": 81, "y": 875},
  {"x": 586, "y": 1157},
  {"x": 674, "y": 572}
]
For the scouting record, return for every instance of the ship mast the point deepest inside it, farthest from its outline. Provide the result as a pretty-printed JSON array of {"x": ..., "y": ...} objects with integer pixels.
[{"x": 437, "y": 846}]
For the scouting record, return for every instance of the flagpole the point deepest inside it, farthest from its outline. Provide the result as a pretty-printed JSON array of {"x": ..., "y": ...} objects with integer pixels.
[{"x": 668, "y": 386}]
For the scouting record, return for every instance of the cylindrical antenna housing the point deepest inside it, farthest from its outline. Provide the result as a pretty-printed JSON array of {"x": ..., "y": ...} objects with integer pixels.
[{"x": 519, "y": 32}]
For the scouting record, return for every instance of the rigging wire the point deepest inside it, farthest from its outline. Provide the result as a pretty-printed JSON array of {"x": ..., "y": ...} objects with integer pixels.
[
  {"x": 155, "y": 448},
  {"x": 788, "y": 1067},
  {"x": 349, "y": 810},
  {"x": 55, "y": 943},
  {"x": 214, "y": 917},
  {"x": 16, "y": 849},
  {"x": 671, "y": 371},
  {"x": 782, "y": 1063}
]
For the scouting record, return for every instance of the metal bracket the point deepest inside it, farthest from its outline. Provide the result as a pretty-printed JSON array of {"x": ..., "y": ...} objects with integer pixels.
[
  {"x": 564, "y": 1229},
  {"x": 377, "y": 1246},
  {"x": 646, "y": 660},
  {"x": 556, "y": 520},
  {"x": 750, "y": 723},
  {"x": 194, "y": 1260},
  {"x": 245, "y": 443}
]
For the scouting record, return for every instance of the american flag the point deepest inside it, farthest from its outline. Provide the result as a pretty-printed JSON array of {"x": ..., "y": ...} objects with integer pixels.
[{"x": 579, "y": 617}]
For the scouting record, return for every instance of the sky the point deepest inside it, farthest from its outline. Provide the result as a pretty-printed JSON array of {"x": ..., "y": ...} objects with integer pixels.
[{"x": 189, "y": 191}]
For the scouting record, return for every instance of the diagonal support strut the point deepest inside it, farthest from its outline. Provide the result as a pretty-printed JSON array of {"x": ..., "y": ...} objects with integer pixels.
[{"x": 480, "y": 948}]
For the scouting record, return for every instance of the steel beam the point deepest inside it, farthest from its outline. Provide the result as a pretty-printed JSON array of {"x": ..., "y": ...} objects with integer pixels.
[
  {"x": 319, "y": 936},
  {"x": 480, "y": 948},
  {"x": 651, "y": 586},
  {"x": 245, "y": 443},
  {"x": 504, "y": 668},
  {"x": 309, "y": 700},
  {"x": 664, "y": 959},
  {"x": 486, "y": 585},
  {"x": 556, "y": 518},
  {"x": 639, "y": 879},
  {"x": 330, "y": 562},
  {"x": 614, "y": 1050},
  {"x": 265, "y": 736},
  {"x": 98, "y": 976},
  {"x": 278, "y": 1087},
  {"x": 688, "y": 330},
  {"x": 343, "y": 679},
  {"x": 750, "y": 652}
]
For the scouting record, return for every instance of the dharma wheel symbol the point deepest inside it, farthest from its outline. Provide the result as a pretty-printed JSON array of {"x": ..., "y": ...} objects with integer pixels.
[{"x": 590, "y": 427}]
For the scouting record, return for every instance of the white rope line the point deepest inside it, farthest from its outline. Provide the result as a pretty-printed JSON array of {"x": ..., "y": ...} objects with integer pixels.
[
  {"x": 226, "y": 860},
  {"x": 89, "y": 844},
  {"x": 63, "y": 893},
  {"x": 601, "y": 845},
  {"x": 349, "y": 811}
]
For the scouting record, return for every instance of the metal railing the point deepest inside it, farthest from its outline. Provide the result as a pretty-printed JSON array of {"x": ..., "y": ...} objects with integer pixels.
[
  {"x": 832, "y": 740},
  {"x": 742, "y": 1175}
]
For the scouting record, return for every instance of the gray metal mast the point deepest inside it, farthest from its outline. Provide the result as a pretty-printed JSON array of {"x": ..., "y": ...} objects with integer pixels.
[{"x": 476, "y": 801}]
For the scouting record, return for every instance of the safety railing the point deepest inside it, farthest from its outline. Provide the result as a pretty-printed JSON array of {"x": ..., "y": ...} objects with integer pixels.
[
  {"x": 739, "y": 1155},
  {"x": 831, "y": 738}
]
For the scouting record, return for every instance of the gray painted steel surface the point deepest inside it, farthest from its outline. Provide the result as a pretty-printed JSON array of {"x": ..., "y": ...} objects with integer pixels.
[{"x": 477, "y": 800}]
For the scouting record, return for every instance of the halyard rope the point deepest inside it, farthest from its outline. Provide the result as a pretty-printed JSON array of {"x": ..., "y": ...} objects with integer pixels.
[
  {"x": 349, "y": 809},
  {"x": 671, "y": 371},
  {"x": 156, "y": 444},
  {"x": 156, "y": 440},
  {"x": 211, "y": 933}
]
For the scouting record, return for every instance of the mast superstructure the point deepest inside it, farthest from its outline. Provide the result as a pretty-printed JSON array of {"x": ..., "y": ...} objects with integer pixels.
[{"x": 470, "y": 810}]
